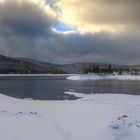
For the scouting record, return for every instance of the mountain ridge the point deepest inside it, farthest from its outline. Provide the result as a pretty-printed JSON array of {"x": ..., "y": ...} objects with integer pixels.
[{"x": 28, "y": 65}]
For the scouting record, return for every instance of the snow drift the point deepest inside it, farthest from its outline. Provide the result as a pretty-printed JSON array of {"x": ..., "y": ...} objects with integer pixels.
[{"x": 103, "y": 77}]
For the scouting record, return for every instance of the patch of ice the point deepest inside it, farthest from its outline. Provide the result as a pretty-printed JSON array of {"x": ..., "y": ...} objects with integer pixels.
[{"x": 28, "y": 99}]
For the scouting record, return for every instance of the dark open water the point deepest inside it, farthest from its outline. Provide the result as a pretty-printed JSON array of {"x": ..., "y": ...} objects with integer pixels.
[{"x": 53, "y": 87}]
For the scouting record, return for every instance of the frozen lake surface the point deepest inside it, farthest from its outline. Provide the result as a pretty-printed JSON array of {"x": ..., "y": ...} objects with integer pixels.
[{"x": 53, "y": 87}]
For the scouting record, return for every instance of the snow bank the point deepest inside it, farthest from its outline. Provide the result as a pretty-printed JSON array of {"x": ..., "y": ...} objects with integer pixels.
[
  {"x": 103, "y": 77},
  {"x": 92, "y": 117}
]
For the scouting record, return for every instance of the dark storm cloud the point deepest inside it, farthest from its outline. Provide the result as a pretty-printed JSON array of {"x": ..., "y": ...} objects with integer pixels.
[
  {"x": 26, "y": 18},
  {"x": 100, "y": 47},
  {"x": 26, "y": 31}
]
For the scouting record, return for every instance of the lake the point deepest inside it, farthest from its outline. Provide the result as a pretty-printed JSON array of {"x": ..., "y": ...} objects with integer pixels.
[{"x": 53, "y": 87}]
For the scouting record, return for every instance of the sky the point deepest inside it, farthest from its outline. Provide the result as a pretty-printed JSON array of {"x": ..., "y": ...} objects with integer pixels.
[{"x": 71, "y": 31}]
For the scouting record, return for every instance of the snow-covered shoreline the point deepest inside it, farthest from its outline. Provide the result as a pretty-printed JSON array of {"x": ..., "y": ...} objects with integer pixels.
[
  {"x": 103, "y": 77},
  {"x": 93, "y": 116},
  {"x": 30, "y": 75}
]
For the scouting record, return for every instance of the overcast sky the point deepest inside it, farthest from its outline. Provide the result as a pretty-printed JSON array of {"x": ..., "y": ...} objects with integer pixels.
[{"x": 71, "y": 31}]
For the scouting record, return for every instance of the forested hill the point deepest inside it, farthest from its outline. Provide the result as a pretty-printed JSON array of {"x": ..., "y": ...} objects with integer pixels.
[
  {"x": 27, "y": 66},
  {"x": 24, "y": 65}
]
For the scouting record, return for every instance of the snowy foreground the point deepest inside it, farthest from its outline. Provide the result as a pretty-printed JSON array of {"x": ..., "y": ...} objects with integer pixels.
[
  {"x": 92, "y": 117},
  {"x": 103, "y": 77}
]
